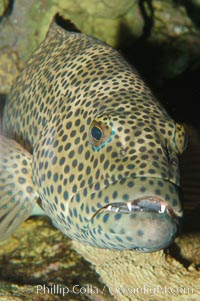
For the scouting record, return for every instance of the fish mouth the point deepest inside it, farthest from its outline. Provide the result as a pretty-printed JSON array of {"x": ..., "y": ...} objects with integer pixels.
[
  {"x": 146, "y": 224},
  {"x": 143, "y": 204}
]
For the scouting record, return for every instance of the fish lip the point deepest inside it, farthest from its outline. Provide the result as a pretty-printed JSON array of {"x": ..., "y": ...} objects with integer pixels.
[{"x": 152, "y": 204}]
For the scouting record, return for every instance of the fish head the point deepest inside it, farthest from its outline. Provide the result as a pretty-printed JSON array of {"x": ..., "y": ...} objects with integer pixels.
[
  {"x": 137, "y": 153},
  {"x": 112, "y": 179}
]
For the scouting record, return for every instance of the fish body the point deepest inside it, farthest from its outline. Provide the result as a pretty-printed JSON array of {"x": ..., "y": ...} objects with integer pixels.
[{"x": 84, "y": 134}]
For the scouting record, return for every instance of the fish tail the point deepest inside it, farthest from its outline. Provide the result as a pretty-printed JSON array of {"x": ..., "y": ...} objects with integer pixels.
[{"x": 17, "y": 193}]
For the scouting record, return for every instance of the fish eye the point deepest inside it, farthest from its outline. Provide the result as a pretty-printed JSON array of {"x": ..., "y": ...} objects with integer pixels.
[
  {"x": 96, "y": 133},
  {"x": 100, "y": 133}
]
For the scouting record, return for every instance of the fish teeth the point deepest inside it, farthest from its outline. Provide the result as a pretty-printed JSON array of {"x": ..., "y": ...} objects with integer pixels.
[
  {"x": 113, "y": 208},
  {"x": 109, "y": 208},
  {"x": 162, "y": 208},
  {"x": 129, "y": 205}
]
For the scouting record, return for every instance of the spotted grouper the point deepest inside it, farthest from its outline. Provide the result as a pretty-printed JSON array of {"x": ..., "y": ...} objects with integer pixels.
[{"x": 85, "y": 138}]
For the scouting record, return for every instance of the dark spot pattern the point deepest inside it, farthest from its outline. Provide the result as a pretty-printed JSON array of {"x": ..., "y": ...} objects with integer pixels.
[{"x": 98, "y": 136}]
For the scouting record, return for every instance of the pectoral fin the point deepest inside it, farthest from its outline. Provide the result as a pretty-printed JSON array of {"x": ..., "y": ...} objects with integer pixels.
[{"x": 17, "y": 192}]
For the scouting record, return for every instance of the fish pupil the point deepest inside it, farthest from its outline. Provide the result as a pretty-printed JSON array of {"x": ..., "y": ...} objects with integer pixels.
[{"x": 96, "y": 133}]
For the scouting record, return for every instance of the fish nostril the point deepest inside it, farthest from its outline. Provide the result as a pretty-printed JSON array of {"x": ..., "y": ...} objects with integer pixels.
[{"x": 123, "y": 151}]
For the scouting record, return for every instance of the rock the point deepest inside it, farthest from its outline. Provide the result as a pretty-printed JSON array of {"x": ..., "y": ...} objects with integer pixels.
[
  {"x": 175, "y": 31},
  {"x": 38, "y": 262},
  {"x": 9, "y": 68},
  {"x": 156, "y": 276}
]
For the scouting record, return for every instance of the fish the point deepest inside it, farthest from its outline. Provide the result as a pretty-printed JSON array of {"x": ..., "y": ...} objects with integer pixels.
[{"x": 85, "y": 139}]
